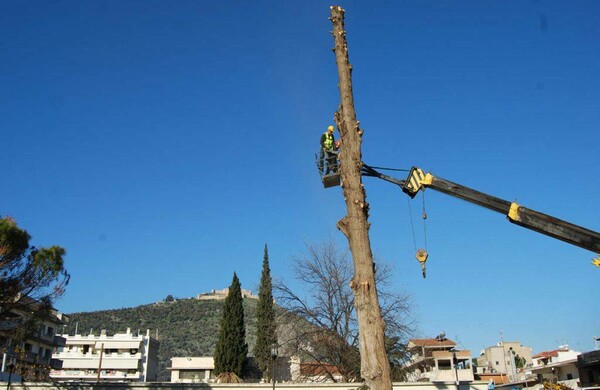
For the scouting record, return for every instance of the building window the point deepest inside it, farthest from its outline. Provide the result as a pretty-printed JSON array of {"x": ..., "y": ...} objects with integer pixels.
[
  {"x": 569, "y": 376},
  {"x": 444, "y": 364},
  {"x": 497, "y": 362},
  {"x": 193, "y": 375}
]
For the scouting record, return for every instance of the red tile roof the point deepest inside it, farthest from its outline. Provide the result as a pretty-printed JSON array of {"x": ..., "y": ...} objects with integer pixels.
[
  {"x": 317, "y": 369},
  {"x": 546, "y": 354}
]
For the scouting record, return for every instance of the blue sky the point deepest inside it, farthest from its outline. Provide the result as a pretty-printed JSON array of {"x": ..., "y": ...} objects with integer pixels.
[{"x": 164, "y": 143}]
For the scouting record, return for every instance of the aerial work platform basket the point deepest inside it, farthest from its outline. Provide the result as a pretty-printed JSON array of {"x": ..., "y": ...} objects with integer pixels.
[
  {"x": 328, "y": 167},
  {"x": 331, "y": 180}
]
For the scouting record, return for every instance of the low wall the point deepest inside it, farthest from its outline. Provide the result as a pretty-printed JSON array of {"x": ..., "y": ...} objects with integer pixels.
[{"x": 249, "y": 386}]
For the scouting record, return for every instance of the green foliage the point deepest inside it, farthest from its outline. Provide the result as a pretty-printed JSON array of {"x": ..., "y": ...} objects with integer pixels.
[
  {"x": 231, "y": 350},
  {"x": 520, "y": 361},
  {"x": 14, "y": 241},
  {"x": 265, "y": 320},
  {"x": 397, "y": 356},
  {"x": 30, "y": 279}
]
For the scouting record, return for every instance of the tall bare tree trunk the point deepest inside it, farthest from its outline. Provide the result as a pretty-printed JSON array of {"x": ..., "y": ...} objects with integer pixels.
[{"x": 375, "y": 368}]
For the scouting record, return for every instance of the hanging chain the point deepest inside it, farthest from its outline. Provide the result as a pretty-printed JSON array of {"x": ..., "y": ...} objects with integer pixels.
[
  {"x": 412, "y": 225},
  {"x": 424, "y": 215},
  {"x": 421, "y": 254}
]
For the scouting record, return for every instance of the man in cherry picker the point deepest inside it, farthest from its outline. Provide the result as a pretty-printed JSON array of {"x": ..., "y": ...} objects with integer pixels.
[{"x": 328, "y": 151}]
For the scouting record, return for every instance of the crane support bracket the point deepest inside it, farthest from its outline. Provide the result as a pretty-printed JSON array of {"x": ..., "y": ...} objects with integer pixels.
[{"x": 513, "y": 212}]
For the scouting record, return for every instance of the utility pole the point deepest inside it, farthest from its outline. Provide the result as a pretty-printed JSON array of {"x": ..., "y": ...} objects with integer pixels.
[
  {"x": 513, "y": 363},
  {"x": 503, "y": 358},
  {"x": 375, "y": 367},
  {"x": 100, "y": 362}
]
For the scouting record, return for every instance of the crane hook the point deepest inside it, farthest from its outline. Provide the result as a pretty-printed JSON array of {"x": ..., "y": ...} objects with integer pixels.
[{"x": 422, "y": 256}]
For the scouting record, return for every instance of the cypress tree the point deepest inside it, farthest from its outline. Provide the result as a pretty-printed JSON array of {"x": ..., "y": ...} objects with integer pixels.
[
  {"x": 265, "y": 320},
  {"x": 231, "y": 349}
]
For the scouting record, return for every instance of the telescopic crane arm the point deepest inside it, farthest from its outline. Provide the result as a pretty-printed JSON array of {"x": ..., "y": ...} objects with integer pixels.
[{"x": 418, "y": 180}]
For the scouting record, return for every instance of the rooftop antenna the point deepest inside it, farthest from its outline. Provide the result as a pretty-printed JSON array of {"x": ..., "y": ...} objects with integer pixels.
[{"x": 596, "y": 339}]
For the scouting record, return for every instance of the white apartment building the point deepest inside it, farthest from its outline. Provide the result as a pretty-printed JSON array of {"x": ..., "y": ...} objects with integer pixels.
[
  {"x": 122, "y": 357},
  {"x": 437, "y": 360},
  {"x": 557, "y": 366},
  {"x": 31, "y": 357},
  {"x": 192, "y": 369},
  {"x": 500, "y": 359},
  {"x": 451, "y": 366}
]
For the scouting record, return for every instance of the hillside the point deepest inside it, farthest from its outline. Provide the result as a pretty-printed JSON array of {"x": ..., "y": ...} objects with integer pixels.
[{"x": 186, "y": 327}]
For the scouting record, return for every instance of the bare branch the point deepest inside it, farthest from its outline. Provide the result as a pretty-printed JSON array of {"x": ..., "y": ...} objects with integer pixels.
[{"x": 325, "y": 329}]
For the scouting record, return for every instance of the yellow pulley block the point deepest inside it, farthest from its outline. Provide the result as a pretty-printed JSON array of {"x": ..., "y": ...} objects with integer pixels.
[
  {"x": 422, "y": 256},
  {"x": 596, "y": 261}
]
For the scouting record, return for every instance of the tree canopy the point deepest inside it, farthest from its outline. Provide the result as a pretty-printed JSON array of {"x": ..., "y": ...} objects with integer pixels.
[
  {"x": 266, "y": 322},
  {"x": 231, "y": 349},
  {"x": 30, "y": 278}
]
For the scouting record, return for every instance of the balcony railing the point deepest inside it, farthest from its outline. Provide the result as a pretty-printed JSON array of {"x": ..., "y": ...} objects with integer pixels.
[
  {"x": 95, "y": 355},
  {"x": 93, "y": 375},
  {"x": 56, "y": 364},
  {"x": 450, "y": 375},
  {"x": 9, "y": 324},
  {"x": 59, "y": 341},
  {"x": 29, "y": 357},
  {"x": 32, "y": 357},
  {"x": 47, "y": 336}
]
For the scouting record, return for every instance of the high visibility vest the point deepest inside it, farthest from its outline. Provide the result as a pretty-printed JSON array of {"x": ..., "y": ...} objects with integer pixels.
[{"x": 328, "y": 143}]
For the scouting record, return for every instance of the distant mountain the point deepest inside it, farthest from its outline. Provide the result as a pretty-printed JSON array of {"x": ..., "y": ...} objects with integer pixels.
[{"x": 186, "y": 327}]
